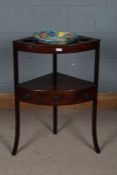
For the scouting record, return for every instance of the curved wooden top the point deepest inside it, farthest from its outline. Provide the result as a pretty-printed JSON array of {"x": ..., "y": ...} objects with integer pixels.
[{"x": 83, "y": 44}]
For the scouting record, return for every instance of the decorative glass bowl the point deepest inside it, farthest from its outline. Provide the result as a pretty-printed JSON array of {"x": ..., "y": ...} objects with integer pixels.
[{"x": 55, "y": 37}]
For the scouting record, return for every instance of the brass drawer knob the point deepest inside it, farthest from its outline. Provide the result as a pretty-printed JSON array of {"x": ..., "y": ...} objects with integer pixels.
[
  {"x": 86, "y": 96},
  {"x": 56, "y": 99},
  {"x": 26, "y": 96}
]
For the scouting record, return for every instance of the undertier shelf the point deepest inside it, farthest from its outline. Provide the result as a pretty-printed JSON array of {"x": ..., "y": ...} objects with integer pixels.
[{"x": 56, "y": 89}]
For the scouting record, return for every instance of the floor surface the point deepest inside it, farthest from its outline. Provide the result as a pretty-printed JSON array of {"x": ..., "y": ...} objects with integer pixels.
[{"x": 70, "y": 152}]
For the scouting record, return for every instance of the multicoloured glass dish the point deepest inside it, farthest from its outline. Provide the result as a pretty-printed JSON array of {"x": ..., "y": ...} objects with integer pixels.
[{"x": 55, "y": 37}]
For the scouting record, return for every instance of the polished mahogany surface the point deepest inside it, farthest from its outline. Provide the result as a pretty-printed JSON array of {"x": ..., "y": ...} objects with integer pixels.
[
  {"x": 63, "y": 90},
  {"x": 82, "y": 44},
  {"x": 62, "y": 83},
  {"x": 56, "y": 88}
]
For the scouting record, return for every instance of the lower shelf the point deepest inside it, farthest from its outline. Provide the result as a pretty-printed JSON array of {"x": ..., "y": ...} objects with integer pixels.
[{"x": 56, "y": 89}]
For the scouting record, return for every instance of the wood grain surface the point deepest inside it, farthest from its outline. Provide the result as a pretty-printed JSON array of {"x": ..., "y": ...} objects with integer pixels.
[{"x": 105, "y": 101}]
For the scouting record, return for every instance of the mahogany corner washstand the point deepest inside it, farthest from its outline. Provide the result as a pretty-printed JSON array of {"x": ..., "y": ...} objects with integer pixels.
[{"x": 56, "y": 88}]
